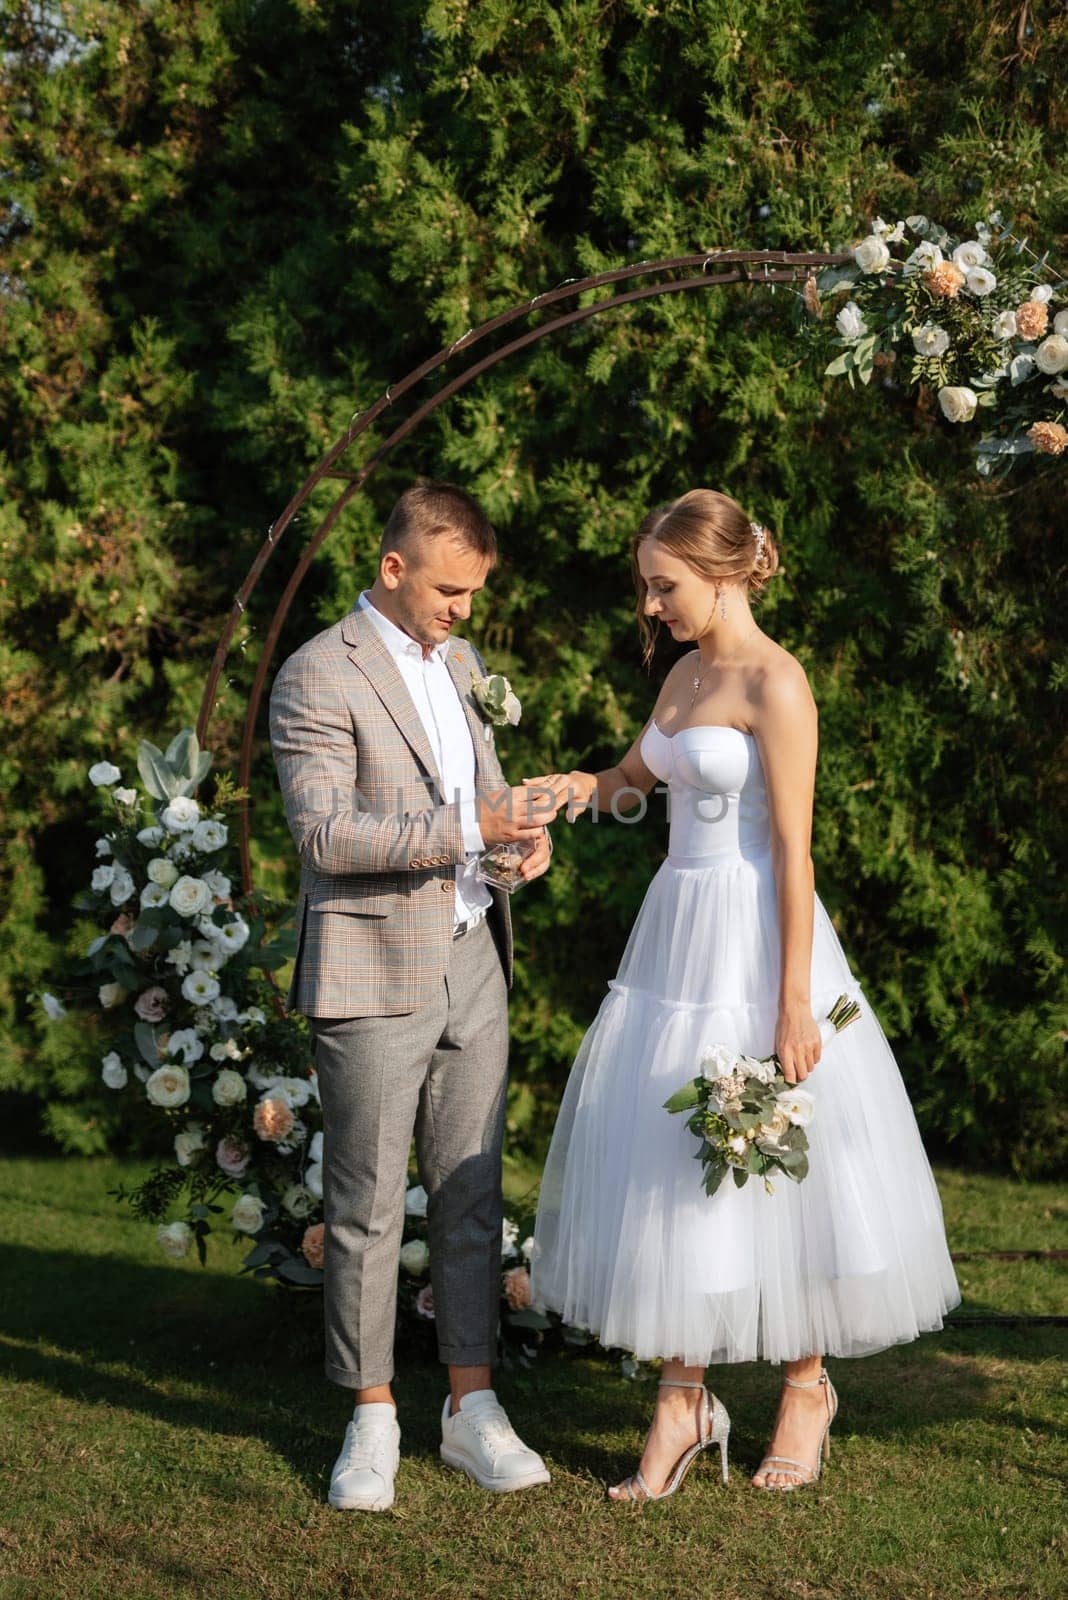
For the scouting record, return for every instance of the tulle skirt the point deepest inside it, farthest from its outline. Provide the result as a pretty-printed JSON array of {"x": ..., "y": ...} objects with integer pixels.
[{"x": 627, "y": 1243}]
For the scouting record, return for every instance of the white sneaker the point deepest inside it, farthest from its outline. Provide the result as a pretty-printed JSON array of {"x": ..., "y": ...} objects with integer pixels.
[
  {"x": 480, "y": 1441},
  {"x": 362, "y": 1479}
]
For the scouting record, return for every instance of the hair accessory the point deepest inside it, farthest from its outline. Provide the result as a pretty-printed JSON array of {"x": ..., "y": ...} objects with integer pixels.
[{"x": 759, "y": 534}]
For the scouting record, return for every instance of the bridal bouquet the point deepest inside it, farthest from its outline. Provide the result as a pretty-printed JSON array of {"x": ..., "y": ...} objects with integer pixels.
[{"x": 750, "y": 1121}]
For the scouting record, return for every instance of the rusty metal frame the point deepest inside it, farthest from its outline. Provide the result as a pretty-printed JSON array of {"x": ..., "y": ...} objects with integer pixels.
[{"x": 733, "y": 266}]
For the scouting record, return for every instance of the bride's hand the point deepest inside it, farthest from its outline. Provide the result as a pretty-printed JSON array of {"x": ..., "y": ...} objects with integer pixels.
[
  {"x": 797, "y": 1042},
  {"x": 574, "y": 790}
]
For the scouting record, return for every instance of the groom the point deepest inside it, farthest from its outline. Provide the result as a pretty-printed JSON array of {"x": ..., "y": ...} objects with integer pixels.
[{"x": 392, "y": 786}]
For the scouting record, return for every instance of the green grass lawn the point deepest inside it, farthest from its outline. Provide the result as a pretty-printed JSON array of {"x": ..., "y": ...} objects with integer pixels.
[{"x": 166, "y": 1431}]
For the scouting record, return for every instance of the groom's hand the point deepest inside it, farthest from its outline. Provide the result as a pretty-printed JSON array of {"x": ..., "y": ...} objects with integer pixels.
[
  {"x": 511, "y": 815},
  {"x": 573, "y": 790},
  {"x": 538, "y": 860}
]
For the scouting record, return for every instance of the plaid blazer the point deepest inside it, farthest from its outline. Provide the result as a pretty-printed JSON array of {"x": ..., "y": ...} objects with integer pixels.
[{"x": 378, "y": 846}]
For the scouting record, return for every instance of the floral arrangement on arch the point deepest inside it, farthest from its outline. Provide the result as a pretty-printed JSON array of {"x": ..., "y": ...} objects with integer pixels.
[{"x": 970, "y": 318}]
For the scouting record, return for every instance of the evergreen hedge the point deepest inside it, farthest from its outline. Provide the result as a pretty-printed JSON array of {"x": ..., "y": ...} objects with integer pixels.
[{"x": 230, "y": 223}]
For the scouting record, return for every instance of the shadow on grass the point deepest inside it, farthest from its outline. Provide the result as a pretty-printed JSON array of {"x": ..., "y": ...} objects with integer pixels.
[{"x": 233, "y": 1356}]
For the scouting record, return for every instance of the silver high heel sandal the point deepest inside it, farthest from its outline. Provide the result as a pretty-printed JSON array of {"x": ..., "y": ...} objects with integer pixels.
[
  {"x": 802, "y": 1471},
  {"x": 714, "y": 1425}
]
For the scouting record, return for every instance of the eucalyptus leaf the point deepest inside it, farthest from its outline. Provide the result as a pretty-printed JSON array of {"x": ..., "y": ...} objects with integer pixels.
[{"x": 145, "y": 1039}]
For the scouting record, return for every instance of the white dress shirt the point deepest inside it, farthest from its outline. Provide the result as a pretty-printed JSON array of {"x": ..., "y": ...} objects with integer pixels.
[{"x": 445, "y": 724}]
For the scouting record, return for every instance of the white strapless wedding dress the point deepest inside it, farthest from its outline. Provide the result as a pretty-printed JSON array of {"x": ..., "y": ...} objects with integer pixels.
[{"x": 627, "y": 1243}]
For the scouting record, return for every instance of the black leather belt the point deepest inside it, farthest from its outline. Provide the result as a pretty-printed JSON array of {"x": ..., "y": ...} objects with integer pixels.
[{"x": 465, "y": 927}]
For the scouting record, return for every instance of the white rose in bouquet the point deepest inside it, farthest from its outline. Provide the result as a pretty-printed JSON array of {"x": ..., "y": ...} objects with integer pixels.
[
  {"x": 209, "y": 835},
  {"x": 227, "y": 1050},
  {"x": 1052, "y": 354},
  {"x": 154, "y": 895},
  {"x": 125, "y": 797},
  {"x": 247, "y": 1214},
  {"x": 229, "y": 1088},
  {"x": 719, "y": 1061},
  {"x": 415, "y": 1201},
  {"x": 190, "y": 896},
  {"x": 315, "y": 1148},
  {"x": 200, "y": 988},
  {"x": 299, "y": 1201},
  {"x": 1005, "y": 325},
  {"x": 218, "y": 883},
  {"x": 871, "y": 254},
  {"x": 150, "y": 836},
  {"x": 122, "y": 887},
  {"x": 232, "y": 936},
  {"x": 850, "y": 321},
  {"x": 181, "y": 815},
  {"x": 797, "y": 1105},
  {"x": 1042, "y": 293},
  {"x": 180, "y": 955},
  {"x": 415, "y": 1257},
  {"x": 103, "y": 775},
  {"x": 313, "y": 1179},
  {"x": 969, "y": 254},
  {"x": 189, "y": 1143},
  {"x": 111, "y": 994},
  {"x": 203, "y": 956},
  {"x": 924, "y": 258},
  {"x": 113, "y": 1072},
  {"x": 509, "y": 1238},
  {"x": 1060, "y": 323},
  {"x": 175, "y": 1239},
  {"x": 168, "y": 1086},
  {"x": 981, "y": 282},
  {"x": 187, "y": 1043},
  {"x": 102, "y": 879},
  {"x": 930, "y": 340},
  {"x": 958, "y": 403},
  {"x": 160, "y": 870}
]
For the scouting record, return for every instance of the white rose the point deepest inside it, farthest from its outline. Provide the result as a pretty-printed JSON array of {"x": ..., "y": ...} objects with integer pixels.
[
  {"x": 930, "y": 340},
  {"x": 175, "y": 1239},
  {"x": 168, "y": 1086},
  {"x": 969, "y": 254},
  {"x": 298, "y": 1201},
  {"x": 981, "y": 282},
  {"x": 160, "y": 870},
  {"x": 958, "y": 403},
  {"x": 200, "y": 988},
  {"x": 739, "y": 1145},
  {"x": 150, "y": 836},
  {"x": 753, "y": 1067},
  {"x": 187, "y": 1043},
  {"x": 203, "y": 956},
  {"x": 415, "y": 1257},
  {"x": 154, "y": 894},
  {"x": 1052, "y": 354},
  {"x": 209, "y": 835},
  {"x": 188, "y": 1143},
  {"x": 1005, "y": 325},
  {"x": 798, "y": 1105},
  {"x": 179, "y": 955},
  {"x": 218, "y": 883},
  {"x": 112, "y": 1071},
  {"x": 229, "y": 1088},
  {"x": 924, "y": 258},
  {"x": 232, "y": 936},
  {"x": 103, "y": 775},
  {"x": 182, "y": 814},
  {"x": 509, "y": 1237},
  {"x": 415, "y": 1201},
  {"x": 313, "y": 1179},
  {"x": 719, "y": 1061},
  {"x": 111, "y": 994},
  {"x": 1060, "y": 322},
  {"x": 871, "y": 254},
  {"x": 126, "y": 797},
  {"x": 181, "y": 849},
  {"x": 102, "y": 879},
  {"x": 229, "y": 1050},
  {"x": 103, "y": 847},
  {"x": 1042, "y": 293},
  {"x": 190, "y": 896},
  {"x": 247, "y": 1215},
  {"x": 122, "y": 887},
  {"x": 526, "y": 1249},
  {"x": 850, "y": 321}
]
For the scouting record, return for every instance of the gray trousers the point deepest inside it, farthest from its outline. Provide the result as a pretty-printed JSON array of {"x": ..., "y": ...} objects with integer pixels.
[{"x": 439, "y": 1072}]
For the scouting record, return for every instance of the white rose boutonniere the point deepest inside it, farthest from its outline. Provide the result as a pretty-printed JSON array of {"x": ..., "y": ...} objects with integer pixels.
[{"x": 496, "y": 700}]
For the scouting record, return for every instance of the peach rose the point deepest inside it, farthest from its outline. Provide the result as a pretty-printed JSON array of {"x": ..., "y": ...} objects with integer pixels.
[
  {"x": 944, "y": 281},
  {"x": 1048, "y": 438},
  {"x": 273, "y": 1120},
  {"x": 1032, "y": 319},
  {"x": 151, "y": 1006},
  {"x": 517, "y": 1288},
  {"x": 311, "y": 1245}
]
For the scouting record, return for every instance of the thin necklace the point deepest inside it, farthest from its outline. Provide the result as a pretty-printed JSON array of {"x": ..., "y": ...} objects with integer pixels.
[{"x": 699, "y": 676}]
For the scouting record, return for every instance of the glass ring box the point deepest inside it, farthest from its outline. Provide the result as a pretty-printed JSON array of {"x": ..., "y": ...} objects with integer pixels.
[{"x": 500, "y": 865}]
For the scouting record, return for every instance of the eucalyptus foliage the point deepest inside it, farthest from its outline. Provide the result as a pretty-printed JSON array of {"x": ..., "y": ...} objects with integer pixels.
[{"x": 231, "y": 223}]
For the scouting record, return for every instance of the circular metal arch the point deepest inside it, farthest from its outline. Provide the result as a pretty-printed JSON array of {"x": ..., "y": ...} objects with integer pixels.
[{"x": 731, "y": 266}]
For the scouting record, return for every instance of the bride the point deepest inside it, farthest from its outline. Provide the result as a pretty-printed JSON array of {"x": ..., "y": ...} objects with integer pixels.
[{"x": 731, "y": 946}]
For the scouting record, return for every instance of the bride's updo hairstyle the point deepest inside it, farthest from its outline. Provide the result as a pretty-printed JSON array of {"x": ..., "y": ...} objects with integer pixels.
[{"x": 713, "y": 535}]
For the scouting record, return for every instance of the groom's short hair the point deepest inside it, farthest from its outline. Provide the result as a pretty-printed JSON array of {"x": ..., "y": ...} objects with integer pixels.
[{"x": 429, "y": 510}]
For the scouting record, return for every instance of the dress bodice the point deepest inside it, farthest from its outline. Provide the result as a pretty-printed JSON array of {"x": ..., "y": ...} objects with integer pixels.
[{"x": 717, "y": 793}]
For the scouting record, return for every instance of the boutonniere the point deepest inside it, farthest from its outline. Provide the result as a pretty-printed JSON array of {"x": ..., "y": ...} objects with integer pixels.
[{"x": 496, "y": 701}]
